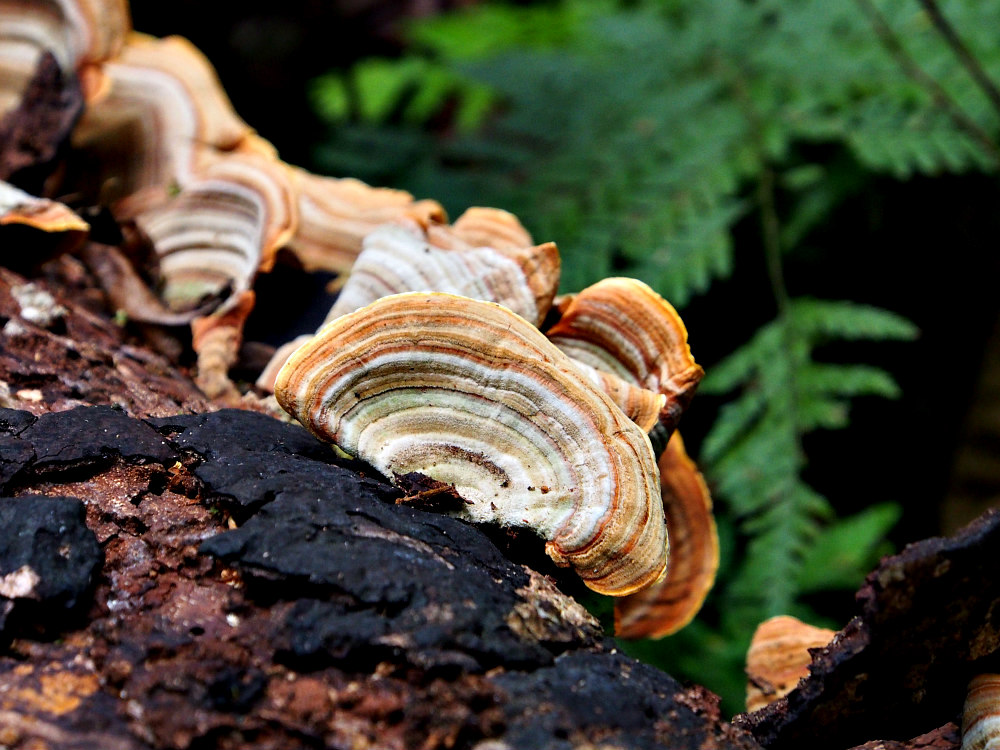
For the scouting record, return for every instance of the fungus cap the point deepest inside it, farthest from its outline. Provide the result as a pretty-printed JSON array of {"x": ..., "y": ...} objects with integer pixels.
[
  {"x": 19, "y": 207},
  {"x": 470, "y": 394},
  {"x": 672, "y": 602},
  {"x": 981, "y": 713},
  {"x": 622, "y": 326},
  {"x": 779, "y": 657},
  {"x": 399, "y": 258},
  {"x": 336, "y": 214}
]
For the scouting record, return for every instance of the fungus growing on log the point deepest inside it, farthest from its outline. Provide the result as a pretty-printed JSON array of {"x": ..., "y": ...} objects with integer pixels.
[
  {"x": 622, "y": 326},
  {"x": 492, "y": 227},
  {"x": 19, "y": 207},
  {"x": 226, "y": 225},
  {"x": 672, "y": 602},
  {"x": 779, "y": 657},
  {"x": 214, "y": 199},
  {"x": 981, "y": 713},
  {"x": 470, "y": 394},
  {"x": 161, "y": 110},
  {"x": 79, "y": 33},
  {"x": 401, "y": 258},
  {"x": 504, "y": 267},
  {"x": 336, "y": 214}
]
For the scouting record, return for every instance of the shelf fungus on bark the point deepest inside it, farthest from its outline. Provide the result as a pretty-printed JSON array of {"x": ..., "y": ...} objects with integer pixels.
[
  {"x": 80, "y": 34},
  {"x": 504, "y": 267},
  {"x": 161, "y": 109},
  {"x": 19, "y": 207},
  {"x": 470, "y": 394},
  {"x": 401, "y": 258},
  {"x": 224, "y": 227},
  {"x": 336, "y": 214},
  {"x": 491, "y": 227},
  {"x": 981, "y": 713},
  {"x": 65, "y": 230},
  {"x": 621, "y": 326},
  {"x": 779, "y": 657},
  {"x": 672, "y": 602}
]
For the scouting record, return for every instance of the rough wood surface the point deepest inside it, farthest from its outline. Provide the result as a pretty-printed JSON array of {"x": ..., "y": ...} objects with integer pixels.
[
  {"x": 252, "y": 591},
  {"x": 928, "y": 622},
  {"x": 256, "y": 593},
  {"x": 56, "y": 354}
]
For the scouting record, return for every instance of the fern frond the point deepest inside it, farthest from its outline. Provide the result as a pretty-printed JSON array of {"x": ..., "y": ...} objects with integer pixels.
[
  {"x": 850, "y": 321},
  {"x": 753, "y": 454},
  {"x": 846, "y": 381},
  {"x": 841, "y": 554}
]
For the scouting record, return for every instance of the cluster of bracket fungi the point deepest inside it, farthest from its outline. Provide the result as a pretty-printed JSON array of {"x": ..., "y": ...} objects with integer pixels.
[
  {"x": 447, "y": 353},
  {"x": 433, "y": 359}
]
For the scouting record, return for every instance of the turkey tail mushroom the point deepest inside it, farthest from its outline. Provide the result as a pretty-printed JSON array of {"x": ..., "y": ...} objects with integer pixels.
[
  {"x": 221, "y": 229},
  {"x": 401, "y": 258},
  {"x": 20, "y": 208},
  {"x": 672, "y": 602},
  {"x": 470, "y": 394},
  {"x": 622, "y": 326},
  {"x": 161, "y": 109},
  {"x": 491, "y": 227},
  {"x": 981, "y": 713},
  {"x": 779, "y": 657},
  {"x": 80, "y": 34},
  {"x": 336, "y": 214},
  {"x": 408, "y": 256}
]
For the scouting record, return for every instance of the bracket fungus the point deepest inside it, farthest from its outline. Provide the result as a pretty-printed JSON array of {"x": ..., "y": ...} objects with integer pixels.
[
  {"x": 470, "y": 394},
  {"x": 486, "y": 254},
  {"x": 336, "y": 214},
  {"x": 980, "y": 722},
  {"x": 623, "y": 327},
  {"x": 64, "y": 229},
  {"x": 673, "y": 601},
  {"x": 399, "y": 258},
  {"x": 779, "y": 657},
  {"x": 223, "y": 228},
  {"x": 160, "y": 144},
  {"x": 79, "y": 33},
  {"x": 19, "y": 207}
]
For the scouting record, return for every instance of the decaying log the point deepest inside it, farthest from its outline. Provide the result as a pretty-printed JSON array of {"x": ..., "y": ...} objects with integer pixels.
[
  {"x": 56, "y": 354},
  {"x": 928, "y": 622},
  {"x": 258, "y": 592},
  {"x": 251, "y": 590},
  {"x": 947, "y": 737}
]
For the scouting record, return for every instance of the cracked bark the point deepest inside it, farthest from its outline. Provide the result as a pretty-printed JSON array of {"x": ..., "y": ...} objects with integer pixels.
[{"x": 235, "y": 584}]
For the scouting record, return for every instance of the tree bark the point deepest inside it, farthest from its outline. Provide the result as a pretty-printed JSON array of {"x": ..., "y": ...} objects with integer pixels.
[{"x": 221, "y": 578}]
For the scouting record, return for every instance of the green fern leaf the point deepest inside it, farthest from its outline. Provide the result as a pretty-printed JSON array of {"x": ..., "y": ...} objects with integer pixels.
[
  {"x": 850, "y": 321},
  {"x": 846, "y": 550}
]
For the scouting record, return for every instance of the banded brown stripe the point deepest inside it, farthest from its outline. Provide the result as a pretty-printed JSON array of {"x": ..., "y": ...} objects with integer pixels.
[
  {"x": 501, "y": 232},
  {"x": 228, "y": 223},
  {"x": 981, "y": 714},
  {"x": 622, "y": 326},
  {"x": 161, "y": 107},
  {"x": 80, "y": 34}
]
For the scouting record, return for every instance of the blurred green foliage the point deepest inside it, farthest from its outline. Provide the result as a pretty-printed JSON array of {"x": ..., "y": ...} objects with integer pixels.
[{"x": 637, "y": 135}]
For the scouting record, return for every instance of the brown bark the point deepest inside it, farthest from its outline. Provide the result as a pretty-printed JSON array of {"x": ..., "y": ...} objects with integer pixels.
[{"x": 229, "y": 582}]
